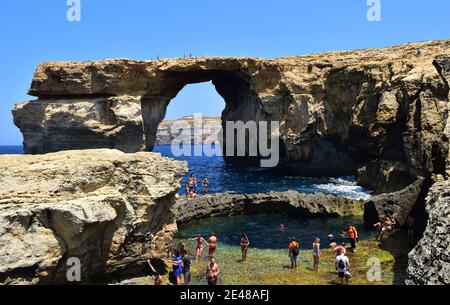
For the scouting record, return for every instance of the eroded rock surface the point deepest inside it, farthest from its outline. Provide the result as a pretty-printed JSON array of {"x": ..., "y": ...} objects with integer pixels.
[
  {"x": 337, "y": 111},
  {"x": 397, "y": 204},
  {"x": 108, "y": 209},
  {"x": 291, "y": 202},
  {"x": 429, "y": 261}
]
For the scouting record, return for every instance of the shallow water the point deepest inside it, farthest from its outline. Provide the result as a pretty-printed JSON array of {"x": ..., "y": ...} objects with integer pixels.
[
  {"x": 268, "y": 261},
  {"x": 224, "y": 177}
]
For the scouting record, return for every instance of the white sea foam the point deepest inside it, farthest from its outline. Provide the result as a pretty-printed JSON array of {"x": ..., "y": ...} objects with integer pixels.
[{"x": 344, "y": 187}]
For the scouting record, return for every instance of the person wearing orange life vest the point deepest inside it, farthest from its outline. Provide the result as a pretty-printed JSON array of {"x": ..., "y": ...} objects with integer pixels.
[
  {"x": 294, "y": 250},
  {"x": 352, "y": 236}
]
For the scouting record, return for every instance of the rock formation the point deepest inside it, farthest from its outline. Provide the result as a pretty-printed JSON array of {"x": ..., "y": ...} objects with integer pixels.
[
  {"x": 337, "y": 111},
  {"x": 185, "y": 130},
  {"x": 397, "y": 204},
  {"x": 291, "y": 202},
  {"x": 429, "y": 261},
  {"x": 106, "y": 208}
]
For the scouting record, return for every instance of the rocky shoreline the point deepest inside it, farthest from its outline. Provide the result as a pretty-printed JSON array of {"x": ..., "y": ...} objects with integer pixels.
[
  {"x": 379, "y": 114},
  {"x": 109, "y": 210}
]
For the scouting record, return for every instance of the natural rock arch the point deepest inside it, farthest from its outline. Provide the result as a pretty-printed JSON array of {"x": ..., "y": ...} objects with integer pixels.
[{"x": 338, "y": 111}]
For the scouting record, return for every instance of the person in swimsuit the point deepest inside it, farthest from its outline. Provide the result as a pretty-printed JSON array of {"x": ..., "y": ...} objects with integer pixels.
[
  {"x": 245, "y": 243},
  {"x": 187, "y": 189},
  {"x": 177, "y": 265},
  {"x": 205, "y": 186},
  {"x": 200, "y": 241},
  {"x": 316, "y": 253},
  {"x": 379, "y": 227},
  {"x": 212, "y": 241},
  {"x": 411, "y": 226},
  {"x": 352, "y": 237},
  {"x": 294, "y": 250},
  {"x": 333, "y": 243},
  {"x": 212, "y": 271},
  {"x": 386, "y": 227},
  {"x": 157, "y": 276},
  {"x": 195, "y": 184}
]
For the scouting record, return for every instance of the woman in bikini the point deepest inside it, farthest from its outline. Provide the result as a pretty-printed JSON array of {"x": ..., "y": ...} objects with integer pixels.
[
  {"x": 316, "y": 253},
  {"x": 245, "y": 242},
  {"x": 200, "y": 241}
]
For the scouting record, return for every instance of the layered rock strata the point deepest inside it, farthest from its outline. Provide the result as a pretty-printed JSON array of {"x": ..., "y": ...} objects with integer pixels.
[
  {"x": 103, "y": 208},
  {"x": 337, "y": 111}
]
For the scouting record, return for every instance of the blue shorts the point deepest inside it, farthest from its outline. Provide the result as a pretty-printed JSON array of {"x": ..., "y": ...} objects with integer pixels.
[{"x": 177, "y": 272}]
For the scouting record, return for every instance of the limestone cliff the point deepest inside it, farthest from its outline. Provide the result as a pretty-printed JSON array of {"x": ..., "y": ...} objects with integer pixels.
[
  {"x": 338, "y": 111},
  {"x": 429, "y": 261},
  {"x": 185, "y": 130},
  {"x": 106, "y": 208}
]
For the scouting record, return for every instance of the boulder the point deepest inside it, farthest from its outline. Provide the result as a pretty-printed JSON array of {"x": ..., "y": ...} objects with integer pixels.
[
  {"x": 107, "y": 209},
  {"x": 397, "y": 204},
  {"x": 385, "y": 176}
]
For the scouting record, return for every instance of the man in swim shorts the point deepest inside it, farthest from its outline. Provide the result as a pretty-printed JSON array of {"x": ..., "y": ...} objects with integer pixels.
[
  {"x": 212, "y": 271},
  {"x": 212, "y": 240}
]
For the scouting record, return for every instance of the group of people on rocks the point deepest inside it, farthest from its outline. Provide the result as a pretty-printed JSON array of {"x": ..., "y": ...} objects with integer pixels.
[
  {"x": 384, "y": 226},
  {"x": 191, "y": 187}
]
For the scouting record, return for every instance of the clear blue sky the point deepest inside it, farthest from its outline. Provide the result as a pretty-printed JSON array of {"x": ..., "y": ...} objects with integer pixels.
[{"x": 34, "y": 31}]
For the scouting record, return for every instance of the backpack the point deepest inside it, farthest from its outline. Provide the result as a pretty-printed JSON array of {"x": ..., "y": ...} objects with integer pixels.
[
  {"x": 295, "y": 250},
  {"x": 341, "y": 264}
]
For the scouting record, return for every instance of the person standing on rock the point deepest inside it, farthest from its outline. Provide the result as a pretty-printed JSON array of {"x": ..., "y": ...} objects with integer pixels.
[
  {"x": 352, "y": 237},
  {"x": 212, "y": 241},
  {"x": 195, "y": 181},
  {"x": 200, "y": 241},
  {"x": 212, "y": 272},
  {"x": 245, "y": 243},
  {"x": 294, "y": 251},
  {"x": 342, "y": 266},
  {"x": 316, "y": 253},
  {"x": 205, "y": 186},
  {"x": 157, "y": 276},
  {"x": 186, "y": 269},
  {"x": 177, "y": 265}
]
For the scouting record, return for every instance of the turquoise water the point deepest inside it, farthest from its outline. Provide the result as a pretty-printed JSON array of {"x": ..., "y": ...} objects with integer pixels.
[{"x": 268, "y": 262}]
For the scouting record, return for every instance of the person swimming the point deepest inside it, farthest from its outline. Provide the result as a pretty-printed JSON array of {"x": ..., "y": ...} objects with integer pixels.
[
  {"x": 245, "y": 243},
  {"x": 282, "y": 228}
]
